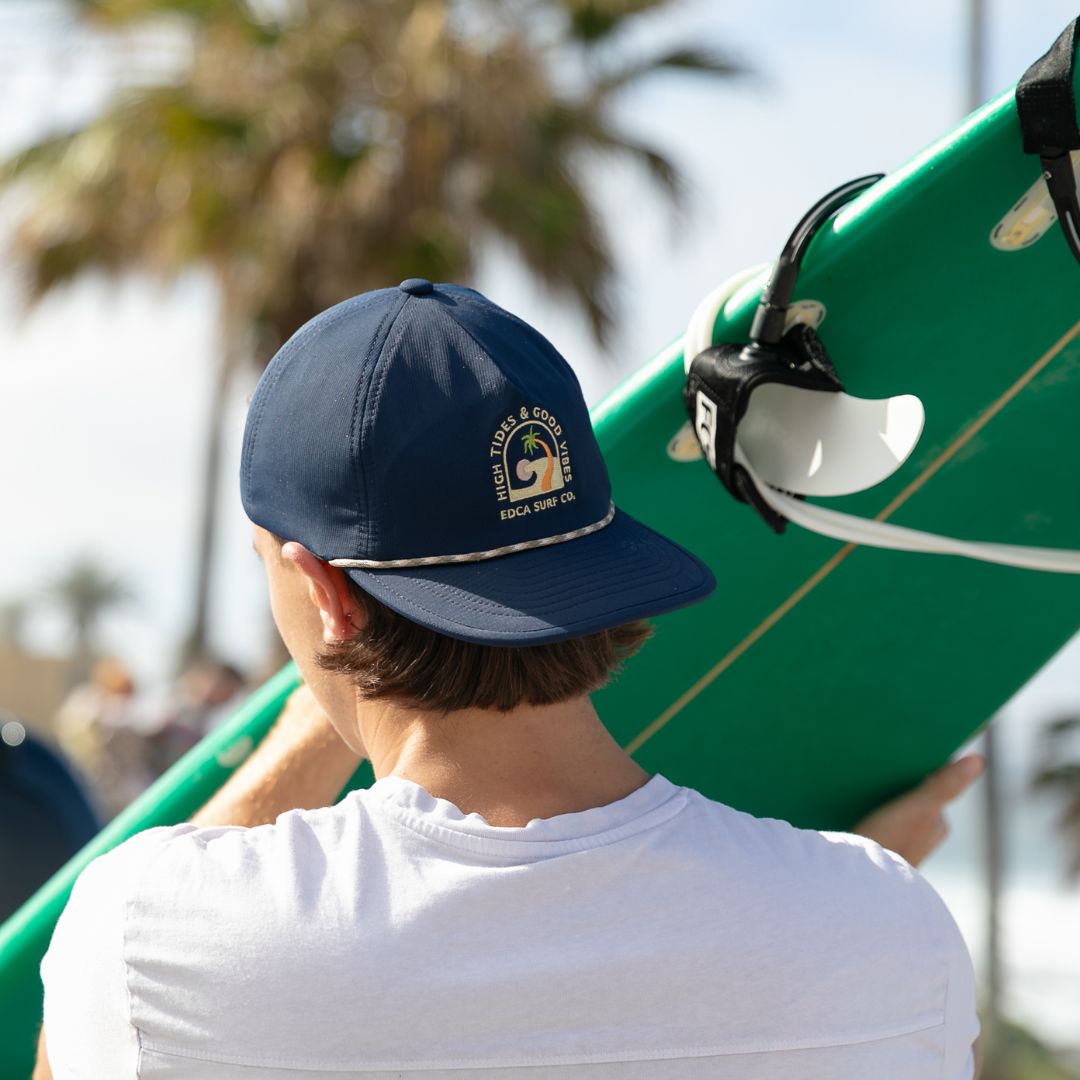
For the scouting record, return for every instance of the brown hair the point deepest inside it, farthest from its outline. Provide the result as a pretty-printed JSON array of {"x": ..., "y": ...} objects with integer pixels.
[{"x": 398, "y": 660}]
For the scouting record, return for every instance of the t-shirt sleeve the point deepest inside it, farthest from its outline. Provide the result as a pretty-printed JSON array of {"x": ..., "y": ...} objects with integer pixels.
[
  {"x": 961, "y": 1018},
  {"x": 88, "y": 1028},
  {"x": 938, "y": 930}
]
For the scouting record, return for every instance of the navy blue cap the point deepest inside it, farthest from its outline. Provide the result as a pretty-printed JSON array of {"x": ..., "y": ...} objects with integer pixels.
[{"x": 439, "y": 450}]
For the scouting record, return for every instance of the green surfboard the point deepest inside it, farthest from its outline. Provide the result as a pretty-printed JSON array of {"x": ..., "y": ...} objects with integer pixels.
[{"x": 821, "y": 678}]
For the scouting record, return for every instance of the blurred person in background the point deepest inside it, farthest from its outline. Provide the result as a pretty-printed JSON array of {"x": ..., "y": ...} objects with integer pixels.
[
  {"x": 213, "y": 690},
  {"x": 45, "y": 814},
  {"x": 99, "y": 727},
  {"x": 206, "y": 695}
]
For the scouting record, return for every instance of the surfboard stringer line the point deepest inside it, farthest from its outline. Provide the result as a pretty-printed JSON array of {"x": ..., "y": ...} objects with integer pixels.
[{"x": 831, "y": 564}]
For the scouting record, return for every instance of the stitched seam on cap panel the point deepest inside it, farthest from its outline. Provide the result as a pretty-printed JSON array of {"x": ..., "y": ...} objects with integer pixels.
[
  {"x": 260, "y": 405},
  {"x": 296, "y": 341},
  {"x": 378, "y": 380},
  {"x": 661, "y": 593},
  {"x": 532, "y": 329},
  {"x": 275, "y": 378},
  {"x": 647, "y": 566},
  {"x": 649, "y": 563},
  {"x": 476, "y": 556},
  {"x": 355, "y": 431},
  {"x": 485, "y": 351},
  {"x": 566, "y": 369},
  {"x": 581, "y": 590},
  {"x": 661, "y": 598}
]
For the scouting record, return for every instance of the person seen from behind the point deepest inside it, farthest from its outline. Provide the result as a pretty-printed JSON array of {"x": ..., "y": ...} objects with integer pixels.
[{"x": 514, "y": 898}]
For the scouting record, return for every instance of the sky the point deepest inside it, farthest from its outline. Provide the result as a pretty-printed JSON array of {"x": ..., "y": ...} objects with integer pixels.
[{"x": 103, "y": 388}]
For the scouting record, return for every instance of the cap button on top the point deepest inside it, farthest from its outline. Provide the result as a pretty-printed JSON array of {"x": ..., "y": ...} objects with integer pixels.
[{"x": 416, "y": 286}]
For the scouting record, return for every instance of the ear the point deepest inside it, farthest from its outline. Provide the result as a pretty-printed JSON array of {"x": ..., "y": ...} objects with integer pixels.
[{"x": 328, "y": 590}]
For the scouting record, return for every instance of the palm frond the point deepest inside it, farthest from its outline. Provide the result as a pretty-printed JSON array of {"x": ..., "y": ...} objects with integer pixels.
[
  {"x": 702, "y": 61},
  {"x": 40, "y": 157},
  {"x": 1059, "y": 777},
  {"x": 118, "y": 13},
  {"x": 305, "y": 166},
  {"x": 558, "y": 236},
  {"x": 1061, "y": 726},
  {"x": 575, "y": 127},
  {"x": 593, "y": 21}
]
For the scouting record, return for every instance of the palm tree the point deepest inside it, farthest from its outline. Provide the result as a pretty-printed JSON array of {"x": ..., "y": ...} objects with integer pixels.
[
  {"x": 301, "y": 151},
  {"x": 530, "y": 441},
  {"x": 13, "y": 613},
  {"x": 993, "y": 833},
  {"x": 86, "y": 591}
]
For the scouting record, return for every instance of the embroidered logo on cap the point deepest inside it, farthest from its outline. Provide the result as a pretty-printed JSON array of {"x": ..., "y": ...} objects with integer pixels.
[{"x": 530, "y": 463}]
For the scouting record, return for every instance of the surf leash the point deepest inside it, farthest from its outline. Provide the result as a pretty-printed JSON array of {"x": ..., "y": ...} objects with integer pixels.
[
  {"x": 1046, "y": 106},
  {"x": 775, "y": 424},
  {"x": 721, "y": 378}
]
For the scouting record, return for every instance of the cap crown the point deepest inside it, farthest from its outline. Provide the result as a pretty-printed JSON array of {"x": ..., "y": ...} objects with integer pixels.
[{"x": 420, "y": 421}]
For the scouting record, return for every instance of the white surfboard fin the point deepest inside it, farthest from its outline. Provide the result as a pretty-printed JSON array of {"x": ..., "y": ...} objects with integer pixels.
[
  {"x": 857, "y": 530},
  {"x": 797, "y": 442},
  {"x": 814, "y": 442},
  {"x": 807, "y": 442},
  {"x": 786, "y": 408}
]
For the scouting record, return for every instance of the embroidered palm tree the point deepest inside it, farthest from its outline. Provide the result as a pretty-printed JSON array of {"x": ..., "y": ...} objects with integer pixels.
[{"x": 530, "y": 441}]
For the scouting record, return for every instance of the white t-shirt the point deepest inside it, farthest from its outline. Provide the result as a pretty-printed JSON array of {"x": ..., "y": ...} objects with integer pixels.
[{"x": 663, "y": 936}]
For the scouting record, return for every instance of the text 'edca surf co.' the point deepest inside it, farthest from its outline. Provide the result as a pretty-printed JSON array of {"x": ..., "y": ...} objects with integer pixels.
[{"x": 531, "y": 465}]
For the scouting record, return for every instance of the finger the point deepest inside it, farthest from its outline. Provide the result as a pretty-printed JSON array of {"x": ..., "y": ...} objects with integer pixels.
[
  {"x": 937, "y": 835},
  {"x": 941, "y": 830},
  {"x": 951, "y": 780}
]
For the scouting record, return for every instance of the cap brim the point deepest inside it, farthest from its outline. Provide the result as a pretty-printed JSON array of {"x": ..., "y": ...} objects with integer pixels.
[{"x": 620, "y": 573}]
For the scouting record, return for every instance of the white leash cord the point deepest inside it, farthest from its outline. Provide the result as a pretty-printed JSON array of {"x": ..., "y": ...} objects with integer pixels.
[
  {"x": 847, "y": 527},
  {"x": 857, "y": 530}
]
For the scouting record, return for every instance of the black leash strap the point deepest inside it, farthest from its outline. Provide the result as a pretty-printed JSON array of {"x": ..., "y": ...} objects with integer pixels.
[
  {"x": 1047, "y": 109},
  {"x": 717, "y": 393}
]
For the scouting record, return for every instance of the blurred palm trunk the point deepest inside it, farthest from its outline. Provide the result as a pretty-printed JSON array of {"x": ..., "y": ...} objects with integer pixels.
[
  {"x": 196, "y": 645},
  {"x": 993, "y": 847}
]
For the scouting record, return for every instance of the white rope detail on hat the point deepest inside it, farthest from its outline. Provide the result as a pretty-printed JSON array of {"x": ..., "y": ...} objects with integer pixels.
[{"x": 475, "y": 556}]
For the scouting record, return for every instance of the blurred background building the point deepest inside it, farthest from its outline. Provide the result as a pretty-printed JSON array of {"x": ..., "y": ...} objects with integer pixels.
[{"x": 595, "y": 167}]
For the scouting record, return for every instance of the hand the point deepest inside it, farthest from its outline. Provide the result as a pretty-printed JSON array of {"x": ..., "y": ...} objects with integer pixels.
[
  {"x": 301, "y": 707},
  {"x": 303, "y": 763},
  {"x": 301, "y": 710},
  {"x": 913, "y": 824},
  {"x": 303, "y": 717}
]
